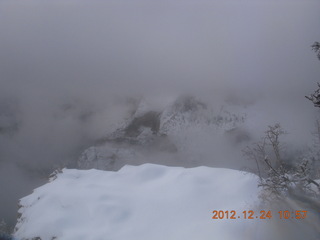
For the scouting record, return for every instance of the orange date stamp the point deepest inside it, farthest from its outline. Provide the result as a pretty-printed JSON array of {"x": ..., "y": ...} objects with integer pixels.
[{"x": 250, "y": 214}]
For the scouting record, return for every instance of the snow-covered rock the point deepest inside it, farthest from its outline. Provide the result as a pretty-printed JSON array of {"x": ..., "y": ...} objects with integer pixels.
[
  {"x": 108, "y": 157},
  {"x": 139, "y": 203},
  {"x": 190, "y": 112},
  {"x": 183, "y": 113},
  {"x": 181, "y": 128}
]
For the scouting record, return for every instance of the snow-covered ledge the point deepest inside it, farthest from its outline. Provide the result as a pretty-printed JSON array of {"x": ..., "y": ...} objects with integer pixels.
[{"x": 147, "y": 202}]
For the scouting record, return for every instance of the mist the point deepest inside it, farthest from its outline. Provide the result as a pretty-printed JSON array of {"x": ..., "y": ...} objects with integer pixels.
[{"x": 65, "y": 67}]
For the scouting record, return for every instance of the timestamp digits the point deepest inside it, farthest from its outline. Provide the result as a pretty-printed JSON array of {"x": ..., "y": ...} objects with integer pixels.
[{"x": 250, "y": 214}]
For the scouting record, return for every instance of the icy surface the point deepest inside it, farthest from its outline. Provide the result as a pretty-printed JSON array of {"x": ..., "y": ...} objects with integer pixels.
[{"x": 139, "y": 202}]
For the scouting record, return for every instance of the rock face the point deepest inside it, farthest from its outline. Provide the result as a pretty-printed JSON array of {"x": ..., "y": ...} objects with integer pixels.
[
  {"x": 148, "y": 120},
  {"x": 185, "y": 111},
  {"x": 168, "y": 132},
  {"x": 10, "y": 119}
]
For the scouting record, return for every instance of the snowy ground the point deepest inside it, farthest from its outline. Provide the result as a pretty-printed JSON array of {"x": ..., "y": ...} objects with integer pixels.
[{"x": 147, "y": 202}]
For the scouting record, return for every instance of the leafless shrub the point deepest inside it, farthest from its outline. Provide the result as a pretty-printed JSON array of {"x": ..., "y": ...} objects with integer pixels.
[
  {"x": 269, "y": 147},
  {"x": 277, "y": 178}
]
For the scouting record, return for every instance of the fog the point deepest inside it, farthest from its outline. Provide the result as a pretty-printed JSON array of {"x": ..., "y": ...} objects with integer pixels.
[{"x": 64, "y": 65}]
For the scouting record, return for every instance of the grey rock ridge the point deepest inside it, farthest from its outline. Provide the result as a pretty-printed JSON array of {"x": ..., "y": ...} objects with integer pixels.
[
  {"x": 10, "y": 119},
  {"x": 170, "y": 136}
]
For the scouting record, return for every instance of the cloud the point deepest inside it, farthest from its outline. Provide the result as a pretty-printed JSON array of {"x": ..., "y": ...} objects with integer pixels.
[{"x": 63, "y": 64}]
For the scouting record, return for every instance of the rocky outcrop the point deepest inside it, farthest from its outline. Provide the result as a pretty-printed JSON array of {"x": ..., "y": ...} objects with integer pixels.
[{"x": 149, "y": 131}]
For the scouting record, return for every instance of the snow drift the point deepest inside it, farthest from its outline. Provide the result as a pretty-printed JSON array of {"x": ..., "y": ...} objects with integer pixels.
[{"x": 139, "y": 202}]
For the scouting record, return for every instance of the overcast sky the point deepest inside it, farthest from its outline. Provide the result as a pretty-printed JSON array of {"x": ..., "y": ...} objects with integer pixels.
[
  {"x": 49, "y": 48},
  {"x": 56, "y": 52}
]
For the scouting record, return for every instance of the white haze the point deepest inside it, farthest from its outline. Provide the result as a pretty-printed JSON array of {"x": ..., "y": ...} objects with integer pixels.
[{"x": 88, "y": 54}]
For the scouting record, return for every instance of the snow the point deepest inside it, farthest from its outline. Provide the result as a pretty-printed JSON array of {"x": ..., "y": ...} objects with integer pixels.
[{"x": 146, "y": 202}]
